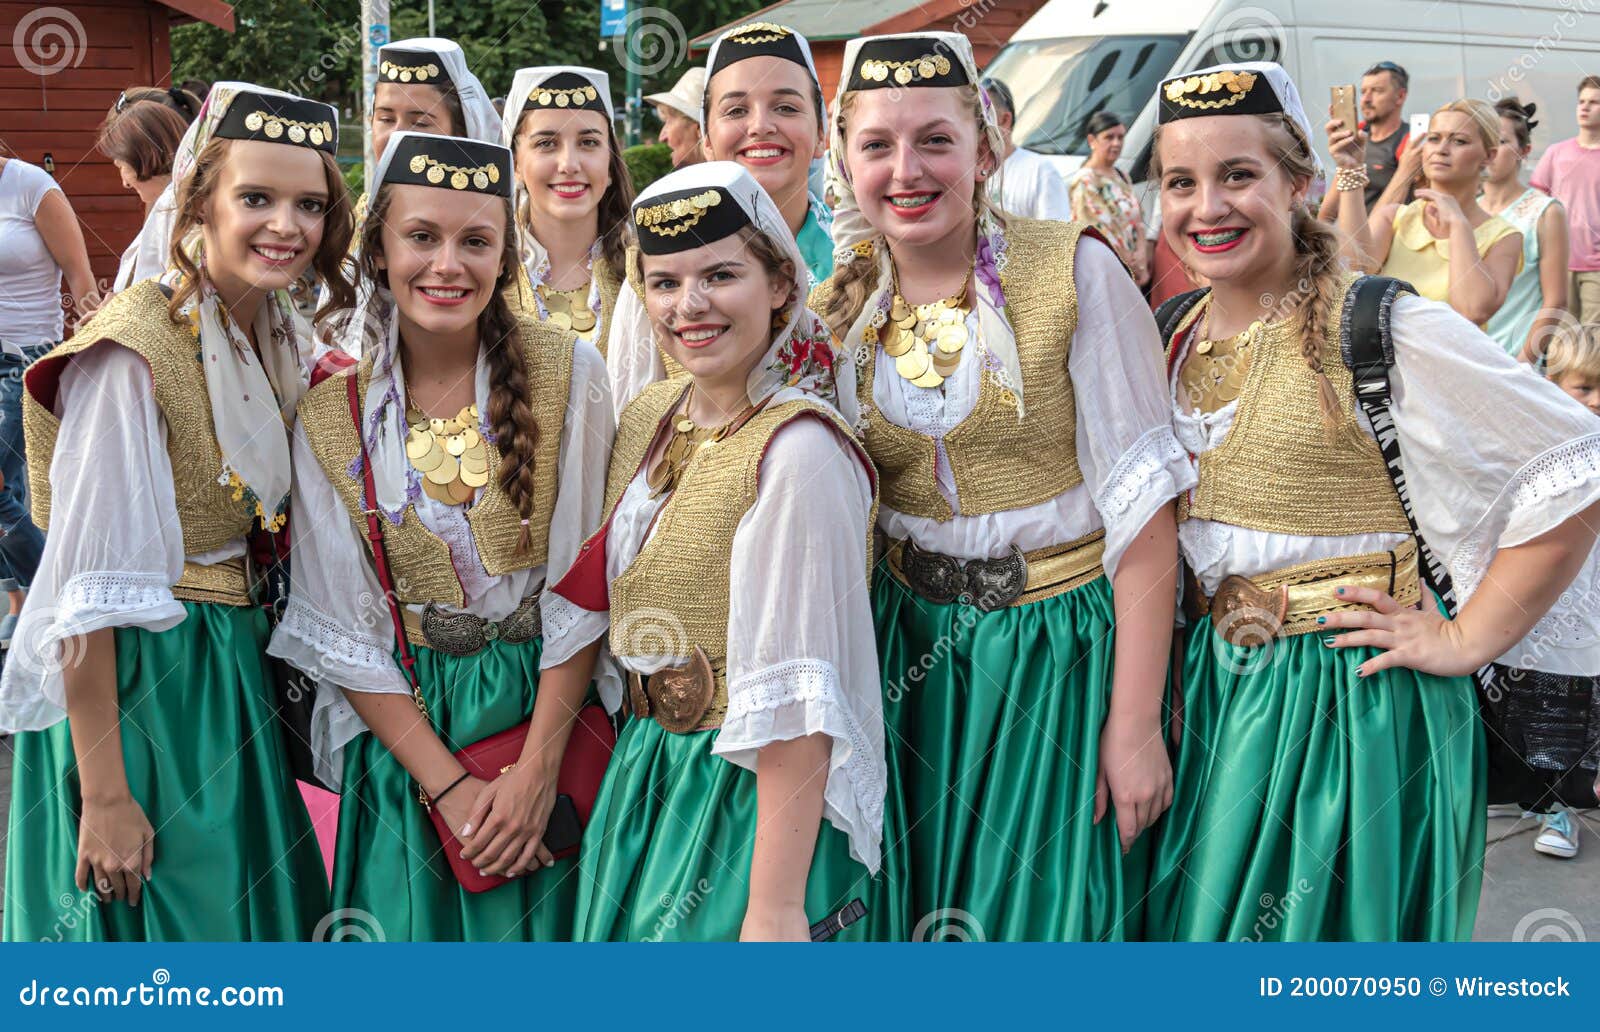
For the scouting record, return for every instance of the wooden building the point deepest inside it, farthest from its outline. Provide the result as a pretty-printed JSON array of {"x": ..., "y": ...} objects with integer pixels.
[
  {"x": 829, "y": 24},
  {"x": 61, "y": 70}
]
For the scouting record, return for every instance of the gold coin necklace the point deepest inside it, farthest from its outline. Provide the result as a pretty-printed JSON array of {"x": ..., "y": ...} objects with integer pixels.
[
  {"x": 451, "y": 454},
  {"x": 926, "y": 341},
  {"x": 1214, "y": 373},
  {"x": 569, "y": 309},
  {"x": 687, "y": 438}
]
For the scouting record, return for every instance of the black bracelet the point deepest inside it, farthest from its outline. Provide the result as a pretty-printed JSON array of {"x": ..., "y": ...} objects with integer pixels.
[{"x": 453, "y": 784}]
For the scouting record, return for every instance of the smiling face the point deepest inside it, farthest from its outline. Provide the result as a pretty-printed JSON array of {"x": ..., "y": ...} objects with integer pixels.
[
  {"x": 410, "y": 107},
  {"x": 264, "y": 220},
  {"x": 564, "y": 162},
  {"x": 1455, "y": 150},
  {"x": 1226, "y": 202},
  {"x": 711, "y": 307},
  {"x": 913, "y": 157},
  {"x": 762, "y": 113},
  {"x": 443, "y": 251}
]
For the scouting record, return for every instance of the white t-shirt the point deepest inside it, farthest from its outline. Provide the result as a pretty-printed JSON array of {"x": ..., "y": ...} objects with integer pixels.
[
  {"x": 1031, "y": 187},
  {"x": 30, "y": 279}
]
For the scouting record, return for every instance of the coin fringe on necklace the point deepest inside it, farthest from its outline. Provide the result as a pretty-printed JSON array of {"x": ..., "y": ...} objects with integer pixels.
[
  {"x": 687, "y": 439},
  {"x": 569, "y": 309},
  {"x": 926, "y": 340},
  {"x": 1213, "y": 376},
  {"x": 451, "y": 454}
]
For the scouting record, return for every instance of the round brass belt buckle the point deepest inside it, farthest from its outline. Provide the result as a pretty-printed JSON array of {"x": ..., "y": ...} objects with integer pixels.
[
  {"x": 680, "y": 697},
  {"x": 1247, "y": 615}
]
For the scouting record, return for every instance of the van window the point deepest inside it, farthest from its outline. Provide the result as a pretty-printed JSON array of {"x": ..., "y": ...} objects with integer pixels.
[{"x": 1059, "y": 83}]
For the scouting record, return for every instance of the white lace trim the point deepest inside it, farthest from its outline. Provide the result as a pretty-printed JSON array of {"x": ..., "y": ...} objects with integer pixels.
[
  {"x": 1543, "y": 479},
  {"x": 101, "y": 592},
  {"x": 800, "y": 697},
  {"x": 330, "y": 641},
  {"x": 1156, "y": 451}
]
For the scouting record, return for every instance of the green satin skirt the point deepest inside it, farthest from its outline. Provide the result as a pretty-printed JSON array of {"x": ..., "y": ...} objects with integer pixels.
[
  {"x": 996, "y": 719},
  {"x": 666, "y": 856},
  {"x": 390, "y": 875},
  {"x": 235, "y": 857},
  {"x": 1313, "y": 805}
]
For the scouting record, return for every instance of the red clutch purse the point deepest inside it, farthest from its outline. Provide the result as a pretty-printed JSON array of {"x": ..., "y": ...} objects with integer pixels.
[{"x": 589, "y": 747}]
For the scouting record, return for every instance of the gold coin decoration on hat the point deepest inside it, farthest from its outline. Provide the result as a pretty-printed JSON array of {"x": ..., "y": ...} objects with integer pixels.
[
  {"x": 926, "y": 341},
  {"x": 569, "y": 309},
  {"x": 451, "y": 454}
]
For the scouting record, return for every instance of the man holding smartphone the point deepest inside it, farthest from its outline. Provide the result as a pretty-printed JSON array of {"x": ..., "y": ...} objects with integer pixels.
[{"x": 1383, "y": 97}]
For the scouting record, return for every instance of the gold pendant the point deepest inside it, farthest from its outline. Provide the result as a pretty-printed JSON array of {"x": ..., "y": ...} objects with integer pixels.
[{"x": 926, "y": 340}]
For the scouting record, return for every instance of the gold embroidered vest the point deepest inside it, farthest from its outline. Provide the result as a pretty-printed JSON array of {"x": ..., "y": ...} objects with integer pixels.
[
  {"x": 520, "y": 298},
  {"x": 208, "y": 513},
  {"x": 676, "y": 592},
  {"x": 999, "y": 462},
  {"x": 421, "y": 562},
  {"x": 1278, "y": 469}
]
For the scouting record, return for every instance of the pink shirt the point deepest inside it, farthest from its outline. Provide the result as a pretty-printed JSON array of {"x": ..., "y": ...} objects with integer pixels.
[{"x": 1571, "y": 174}]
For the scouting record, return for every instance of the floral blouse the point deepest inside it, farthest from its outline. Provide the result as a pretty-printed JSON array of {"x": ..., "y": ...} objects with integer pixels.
[{"x": 1108, "y": 204}]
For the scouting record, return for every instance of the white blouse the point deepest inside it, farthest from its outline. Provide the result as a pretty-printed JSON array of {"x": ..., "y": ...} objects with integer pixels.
[
  {"x": 801, "y": 654},
  {"x": 1494, "y": 456},
  {"x": 1131, "y": 463},
  {"x": 336, "y": 626},
  {"x": 632, "y": 359},
  {"x": 114, "y": 549}
]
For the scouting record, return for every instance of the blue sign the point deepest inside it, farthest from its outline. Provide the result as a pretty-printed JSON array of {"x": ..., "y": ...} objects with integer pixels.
[{"x": 612, "y": 15}]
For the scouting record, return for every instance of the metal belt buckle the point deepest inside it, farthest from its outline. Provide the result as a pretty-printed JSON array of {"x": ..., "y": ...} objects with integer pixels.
[
  {"x": 937, "y": 578},
  {"x": 1247, "y": 615},
  {"x": 678, "y": 697},
  {"x": 996, "y": 583},
  {"x": 463, "y": 634}
]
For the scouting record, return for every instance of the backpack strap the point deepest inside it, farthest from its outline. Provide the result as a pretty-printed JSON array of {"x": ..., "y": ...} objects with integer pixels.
[{"x": 1366, "y": 344}]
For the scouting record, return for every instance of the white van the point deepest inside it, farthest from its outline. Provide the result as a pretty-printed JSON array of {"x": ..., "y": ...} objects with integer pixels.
[{"x": 1076, "y": 57}]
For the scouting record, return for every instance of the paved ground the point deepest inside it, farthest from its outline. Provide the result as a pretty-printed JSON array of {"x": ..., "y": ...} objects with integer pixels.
[{"x": 1525, "y": 895}]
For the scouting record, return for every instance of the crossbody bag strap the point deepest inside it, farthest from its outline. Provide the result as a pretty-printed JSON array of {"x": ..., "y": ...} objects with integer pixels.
[{"x": 380, "y": 554}]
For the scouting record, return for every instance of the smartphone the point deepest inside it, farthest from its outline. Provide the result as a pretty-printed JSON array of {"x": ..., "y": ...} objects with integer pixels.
[
  {"x": 1419, "y": 128},
  {"x": 1344, "y": 107},
  {"x": 562, "y": 832}
]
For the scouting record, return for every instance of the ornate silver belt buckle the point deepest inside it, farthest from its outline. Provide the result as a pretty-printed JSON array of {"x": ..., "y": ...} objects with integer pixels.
[
  {"x": 995, "y": 583},
  {"x": 455, "y": 634},
  {"x": 937, "y": 578}
]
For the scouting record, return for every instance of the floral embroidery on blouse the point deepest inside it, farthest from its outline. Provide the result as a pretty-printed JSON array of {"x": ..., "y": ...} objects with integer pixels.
[{"x": 1108, "y": 204}]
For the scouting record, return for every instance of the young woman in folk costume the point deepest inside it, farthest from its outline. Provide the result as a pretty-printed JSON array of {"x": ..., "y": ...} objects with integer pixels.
[
  {"x": 1329, "y": 783},
  {"x": 158, "y": 443},
  {"x": 733, "y": 559},
  {"x": 572, "y": 197},
  {"x": 485, "y": 434},
  {"x": 1009, "y": 390},
  {"x": 762, "y": 108}
]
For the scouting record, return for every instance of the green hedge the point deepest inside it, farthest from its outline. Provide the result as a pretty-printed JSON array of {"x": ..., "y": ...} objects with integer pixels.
[{"x": 646, "y": 163}]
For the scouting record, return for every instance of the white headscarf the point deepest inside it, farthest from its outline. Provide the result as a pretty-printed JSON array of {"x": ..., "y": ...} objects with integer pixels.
[
  {"x": 252, "y": 405},
  {"x": 997, "y": 341},
  {"x": 801, "y": 42},
  {"x": 482, "y": 121},
  {"x": 383, "y": 408},
  {"x": 801, "y": 354}
]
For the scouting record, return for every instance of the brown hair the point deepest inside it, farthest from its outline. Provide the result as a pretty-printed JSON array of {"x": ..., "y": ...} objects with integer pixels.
[
  {"x": 616, "y": 204},
  {"x": 1590, "y": 82},
  {"x": 452, "y": 104},
  {"x": 1317, "y": 271},
  {"x": 510, "y": 408},
  {"x": 1520, "y": 116},
  {"x": 1574, "y": 348},
  {"x": 144, "y": 136},
  {"x": 338, "y": 227},
  {"x": 853, "y": 282},
  {"x": 185, "y": 103}
]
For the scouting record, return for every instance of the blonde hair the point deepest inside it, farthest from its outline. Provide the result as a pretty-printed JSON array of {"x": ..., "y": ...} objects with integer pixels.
[
  {"x": 853, "y": 282},
  {"x": 1484, "y": 118},
  {"x": 1574, "y": 348},
  {"x": 1317, "y": 270}
]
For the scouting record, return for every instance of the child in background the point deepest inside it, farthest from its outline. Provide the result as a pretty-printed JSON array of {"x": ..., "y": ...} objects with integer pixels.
[{"x": 1573, "y": 363}]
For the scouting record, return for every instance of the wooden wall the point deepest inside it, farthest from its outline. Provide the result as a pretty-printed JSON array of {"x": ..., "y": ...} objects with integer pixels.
[{"x": 126, "y": 43}]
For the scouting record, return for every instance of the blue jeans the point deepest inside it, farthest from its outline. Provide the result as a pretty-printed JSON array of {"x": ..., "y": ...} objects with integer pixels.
[{"x": 20, "y": 541}]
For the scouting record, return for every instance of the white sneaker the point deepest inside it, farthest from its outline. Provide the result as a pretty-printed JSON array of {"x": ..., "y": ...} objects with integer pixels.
[{"x": 1558, "y": 835}]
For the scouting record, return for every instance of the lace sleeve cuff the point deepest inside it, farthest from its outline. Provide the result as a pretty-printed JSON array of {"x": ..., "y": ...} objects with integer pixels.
[
  {"x": 326, "y": 651},
  {"x": 1151, "y": 473},
  {"x": 32, "y": 693},
  {"x": 799, "y": 698},
  {"x": 1550, "y": 489}
]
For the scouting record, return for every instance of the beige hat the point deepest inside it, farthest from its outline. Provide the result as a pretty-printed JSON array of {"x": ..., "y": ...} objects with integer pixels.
[{"x": 685, "y": 95}]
